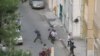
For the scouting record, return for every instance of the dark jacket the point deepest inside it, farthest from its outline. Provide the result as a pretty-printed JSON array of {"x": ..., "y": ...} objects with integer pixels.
[
  {"x": 37, "y": 32},
  {"x": 72, "y": 46}
]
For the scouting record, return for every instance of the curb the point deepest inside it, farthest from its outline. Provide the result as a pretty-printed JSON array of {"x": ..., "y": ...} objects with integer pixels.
[{"x": 64, "y": 45}]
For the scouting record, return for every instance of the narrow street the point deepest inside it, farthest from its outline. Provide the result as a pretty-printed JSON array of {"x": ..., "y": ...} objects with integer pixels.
[
  {"x": 49, "y": 28},
  {"x": 32, "y": 19}
]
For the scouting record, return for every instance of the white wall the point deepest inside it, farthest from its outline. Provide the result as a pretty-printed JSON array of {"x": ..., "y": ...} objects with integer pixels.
[
  {"x": 76, "y": 14},
  {"x": 50, "y": 4}
]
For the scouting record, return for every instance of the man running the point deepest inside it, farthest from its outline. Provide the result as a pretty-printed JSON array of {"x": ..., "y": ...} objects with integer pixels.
[{"x": 38, "y": 36}]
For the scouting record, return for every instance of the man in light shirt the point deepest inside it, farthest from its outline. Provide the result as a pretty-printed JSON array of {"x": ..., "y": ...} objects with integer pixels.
[
  {"x": 54, "y": 35},
  {"x": 69, "y": 38}
]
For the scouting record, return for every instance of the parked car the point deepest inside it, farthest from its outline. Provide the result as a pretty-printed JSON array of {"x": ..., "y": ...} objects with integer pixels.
[
  {"x": 19, "y": 39},
  {"x": 3, "y": 48},
  {"x": 37, "y": 4}
]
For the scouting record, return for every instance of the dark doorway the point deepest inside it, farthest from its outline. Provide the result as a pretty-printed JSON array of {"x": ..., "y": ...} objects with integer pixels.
[{"x": 60, "y": 13}]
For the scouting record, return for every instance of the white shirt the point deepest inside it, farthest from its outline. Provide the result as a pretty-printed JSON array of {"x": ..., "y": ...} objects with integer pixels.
[
  {"x": 69, "y": 38},
  {"x": 54, "y": 34}
]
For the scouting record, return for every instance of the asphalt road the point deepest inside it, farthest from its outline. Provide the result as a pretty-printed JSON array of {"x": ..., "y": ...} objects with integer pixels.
[{"x": 32, "y": 19}]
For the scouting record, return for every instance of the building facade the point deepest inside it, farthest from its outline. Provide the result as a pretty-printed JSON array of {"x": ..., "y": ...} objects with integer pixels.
[
  {"x": 88, "y": 25},
  {"x": 67, "y": 11},
  {"x": 91, "y": 27},
  {"x": 77, "y": 16},
  {"x": 97, "y": 28}
]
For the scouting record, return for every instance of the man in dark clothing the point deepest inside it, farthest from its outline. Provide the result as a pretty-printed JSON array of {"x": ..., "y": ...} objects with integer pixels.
[
  {"x": 72, "y": 46},
  {"x": 38, "y": 36},
  {"x": 51, "y": 28}
]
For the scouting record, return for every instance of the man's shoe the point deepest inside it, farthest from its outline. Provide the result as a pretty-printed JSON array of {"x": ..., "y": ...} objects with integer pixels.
[{"x": 73, "y": 55}]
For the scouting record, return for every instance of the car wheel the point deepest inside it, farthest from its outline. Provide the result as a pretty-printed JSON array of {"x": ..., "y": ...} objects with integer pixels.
[{"x": 20, "y": 43}]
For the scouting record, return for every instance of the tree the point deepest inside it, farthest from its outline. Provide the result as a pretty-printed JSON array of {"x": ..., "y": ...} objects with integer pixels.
[
  {"x": 16, "y": 53},
  {"x": 7, "y": 18},
  {"x": 7, "y": 7},
  {"x": 8, "y": 27}
]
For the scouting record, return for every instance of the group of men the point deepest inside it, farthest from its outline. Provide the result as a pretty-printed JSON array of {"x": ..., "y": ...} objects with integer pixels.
[{"x": 53, "y": 37}]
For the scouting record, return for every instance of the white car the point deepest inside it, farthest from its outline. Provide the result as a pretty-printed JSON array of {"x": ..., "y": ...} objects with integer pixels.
[
  {"x": 3, "y": 48},
  {"x": 37, "y": 3},
  {"x": 19, "y": 40}
]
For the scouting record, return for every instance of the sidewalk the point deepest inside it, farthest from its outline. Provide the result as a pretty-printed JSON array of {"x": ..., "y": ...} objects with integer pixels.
[{"x": 80, "y": 44}]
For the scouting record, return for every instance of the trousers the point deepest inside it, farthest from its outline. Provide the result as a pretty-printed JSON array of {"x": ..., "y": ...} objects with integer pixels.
[{"x": 38, "y": 37}]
